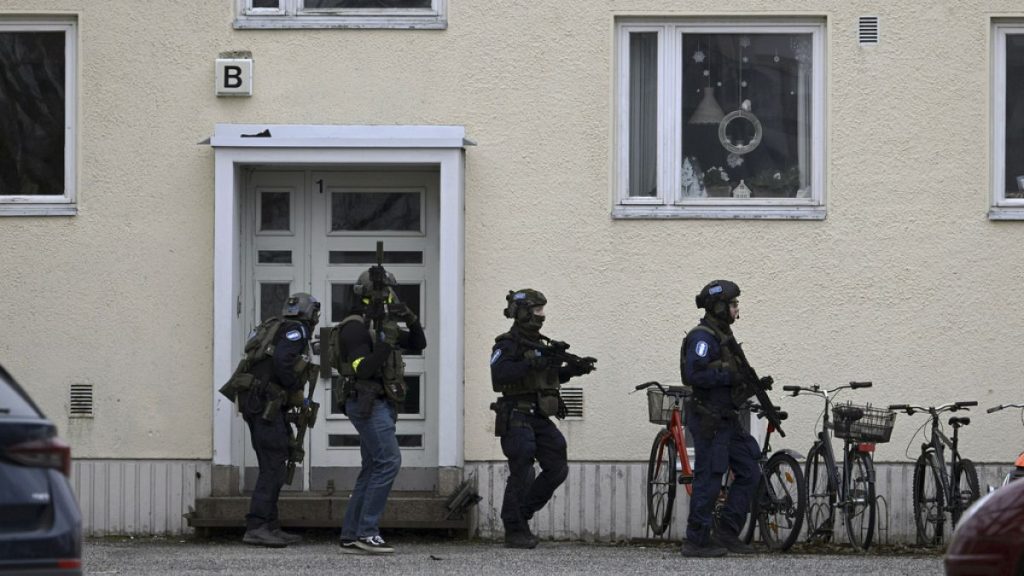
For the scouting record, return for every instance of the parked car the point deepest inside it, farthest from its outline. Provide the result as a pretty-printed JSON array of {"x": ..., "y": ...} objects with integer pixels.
[
  {"x": 990, "y": 537},
  {"x": 40, "y": 523}
]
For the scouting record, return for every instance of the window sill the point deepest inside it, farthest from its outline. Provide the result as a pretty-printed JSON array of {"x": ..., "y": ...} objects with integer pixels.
[
  {"x": 1006, "y": 213},
  {"x": 320, "y": 22},
  {"x": 634, "y": 212},
  {"x": 27, "y": 209}
]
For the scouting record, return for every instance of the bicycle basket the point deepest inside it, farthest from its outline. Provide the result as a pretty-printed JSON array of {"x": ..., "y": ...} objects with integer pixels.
[
  {"x": 659, "y": 404},
  {"x": 875, "y": 426}
]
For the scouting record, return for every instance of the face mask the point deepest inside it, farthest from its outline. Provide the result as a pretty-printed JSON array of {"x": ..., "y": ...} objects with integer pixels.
[{"x": 534, "y": 323}]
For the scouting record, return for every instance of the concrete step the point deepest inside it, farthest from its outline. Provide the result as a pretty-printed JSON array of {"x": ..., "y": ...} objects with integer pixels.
[{"x": 320, "y": 510}]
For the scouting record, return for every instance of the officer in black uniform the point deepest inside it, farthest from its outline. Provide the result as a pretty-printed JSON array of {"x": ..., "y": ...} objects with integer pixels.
[
  {"x": 529, "y": 383},
  {"x": 709, "y": 365},
  {"x": 263, "y": 409}
]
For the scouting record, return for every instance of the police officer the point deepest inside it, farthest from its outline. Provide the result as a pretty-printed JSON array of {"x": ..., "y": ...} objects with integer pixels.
[
  {"x": 263, "y": 408},
  {"x": 529, "y": 382},
  {"x": 368, "y": 355},
  {"x": 710, "y": 366}
]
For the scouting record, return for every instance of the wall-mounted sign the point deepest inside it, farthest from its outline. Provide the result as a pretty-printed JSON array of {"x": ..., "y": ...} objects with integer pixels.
[{"x": 234, "y": 77}]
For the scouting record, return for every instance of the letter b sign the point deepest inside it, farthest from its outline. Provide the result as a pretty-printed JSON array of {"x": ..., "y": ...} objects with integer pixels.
[{"x": 234, "y": 77}]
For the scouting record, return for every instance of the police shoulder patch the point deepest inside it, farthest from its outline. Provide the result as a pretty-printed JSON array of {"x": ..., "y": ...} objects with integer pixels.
[
  {"x": 495, "y": 356},
  {"x": 294, "y": 335},
  {"x": 702, "y": 349}
]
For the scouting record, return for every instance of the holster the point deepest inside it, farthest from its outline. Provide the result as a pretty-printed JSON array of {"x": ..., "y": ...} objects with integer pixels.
[
  {"x": 367, "y": 392},
  {"x": 275, "y": 399},
  {"x": 502, "y": 415}
]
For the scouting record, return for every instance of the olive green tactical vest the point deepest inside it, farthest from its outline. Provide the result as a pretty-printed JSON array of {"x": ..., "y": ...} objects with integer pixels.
[
  {"x": 727, "y": 359},
  {"x": 544, "y": 381},
  {"x": 391, "y": 374}
]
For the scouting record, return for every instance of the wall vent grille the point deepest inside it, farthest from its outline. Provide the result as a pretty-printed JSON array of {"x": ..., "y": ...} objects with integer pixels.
[
  {"x": 867, "y": 30},
  {"x": 81, "y": 405},
  {"x": 573, "y": 398}
]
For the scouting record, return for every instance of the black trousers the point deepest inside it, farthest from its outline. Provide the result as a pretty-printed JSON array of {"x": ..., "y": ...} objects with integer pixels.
[
  {"x": 531, "y": 438},
  {"x": 270, "y": 441}
]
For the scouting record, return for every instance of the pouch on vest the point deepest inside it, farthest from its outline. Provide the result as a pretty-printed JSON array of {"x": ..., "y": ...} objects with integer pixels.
[
  {"x": 393, "y": 376},
  {"x": 239, "y": 382},
  {"x": 547, "y": 404}
]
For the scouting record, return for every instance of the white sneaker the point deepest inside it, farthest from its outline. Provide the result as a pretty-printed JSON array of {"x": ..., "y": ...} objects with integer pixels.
[{"x": 374, "y": 545}]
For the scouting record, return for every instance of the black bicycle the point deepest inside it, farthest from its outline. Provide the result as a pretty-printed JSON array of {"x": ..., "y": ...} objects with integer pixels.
[
  {"x": 939, "y": 490},
  {"x": 850, "y": 490}
]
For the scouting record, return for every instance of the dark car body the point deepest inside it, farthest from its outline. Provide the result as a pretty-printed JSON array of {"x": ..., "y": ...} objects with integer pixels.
[
  {"x": 40, "y": 523},
  {"x": 990, "y": 537}
]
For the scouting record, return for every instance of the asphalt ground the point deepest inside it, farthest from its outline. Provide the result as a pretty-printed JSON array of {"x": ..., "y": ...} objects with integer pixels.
[{"x": 420, "y": 554}]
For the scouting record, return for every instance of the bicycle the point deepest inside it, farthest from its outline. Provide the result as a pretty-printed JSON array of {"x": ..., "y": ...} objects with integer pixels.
[
  {"x": 669, "y": 462},
  {"x": 851, "y": 490},
  {"x": 778, "y": 505},
  {"x": 934, "y": 494},
  {"x": 1018, "y": 471}
]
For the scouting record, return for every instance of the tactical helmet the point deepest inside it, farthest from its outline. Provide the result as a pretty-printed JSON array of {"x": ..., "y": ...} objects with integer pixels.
[
  {"x": 520, "y": 307},
  {"x": 364, "y": 285},
  {"x": 302, "y": 306},
  {"x": 715, "y": 298}
]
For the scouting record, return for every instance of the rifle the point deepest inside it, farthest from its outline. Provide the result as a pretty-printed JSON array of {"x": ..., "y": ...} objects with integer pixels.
[
  {"x": 557, "y": 350},
  {"x": 304, "y": 418},
  {"x": 753, "y": 385},
  {"x": 377, "y": 310}
]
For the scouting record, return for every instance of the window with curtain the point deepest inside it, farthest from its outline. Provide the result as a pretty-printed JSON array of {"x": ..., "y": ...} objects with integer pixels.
[
  {"x": 1008, "y": 132},
  {"x": 720, "y": 119}
]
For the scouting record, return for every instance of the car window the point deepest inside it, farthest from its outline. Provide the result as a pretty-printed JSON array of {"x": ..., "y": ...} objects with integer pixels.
[{"x": 13, "y": 403}]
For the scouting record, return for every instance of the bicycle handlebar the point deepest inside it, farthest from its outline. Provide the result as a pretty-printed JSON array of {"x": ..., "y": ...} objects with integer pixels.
[
  {"x": 966, "y": 404},
  {"x": 855, "y": 385},
  {"x": 1002, "y": 406},
  {"x": 951, "y": 407},
  {"x": 649, "y": 384},
  {"x": 790, "y": 388}
]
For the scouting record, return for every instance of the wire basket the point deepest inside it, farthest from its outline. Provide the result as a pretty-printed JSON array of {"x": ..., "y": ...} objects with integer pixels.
[
  {"x": 660, "y": 404},
  {"x": 875, "y": 426}
]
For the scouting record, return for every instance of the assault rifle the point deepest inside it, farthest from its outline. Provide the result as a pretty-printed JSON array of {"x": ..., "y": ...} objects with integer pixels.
[
  {"x": 557, "y": 350},
  {"x": 752, "y": 385},
  {"x": 377, "y": 309},
  {"x": 303, "y": 416}
]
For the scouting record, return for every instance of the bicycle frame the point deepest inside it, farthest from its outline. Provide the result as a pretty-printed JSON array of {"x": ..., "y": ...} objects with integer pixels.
[
  {"x": 675, "y": 429},
  {"x": 937, "y": 443},
  {"x": 836, "y": 485}
]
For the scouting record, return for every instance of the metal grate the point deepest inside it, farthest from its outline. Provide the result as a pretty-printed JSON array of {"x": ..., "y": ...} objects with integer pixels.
[
  {"x": 867, "y": 30},
  {"x": 81, "y": 401},
  {"x": 573, "y": 398}
]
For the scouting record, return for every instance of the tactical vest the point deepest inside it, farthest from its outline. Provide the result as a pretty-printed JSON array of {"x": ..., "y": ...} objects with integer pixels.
[
  {"x": 391, "y": 374},
  {"x": 260, "y": 345},
  {"x": 537, "y": 386},
  {"x": 727, "y": 359}
]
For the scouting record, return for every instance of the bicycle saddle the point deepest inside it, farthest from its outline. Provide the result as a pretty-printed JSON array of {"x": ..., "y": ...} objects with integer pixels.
[
  {"x": 851, "y": 413},
  {"x": 958, "y": 421}
]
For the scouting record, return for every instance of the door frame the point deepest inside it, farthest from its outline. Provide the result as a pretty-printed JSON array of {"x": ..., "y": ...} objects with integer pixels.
[{"x": 238, "y": 145}]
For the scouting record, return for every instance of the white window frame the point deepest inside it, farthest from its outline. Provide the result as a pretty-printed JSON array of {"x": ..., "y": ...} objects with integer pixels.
[
  {"x": 1002, "y": 208},
  {"x": 669, "y": 203},
  {"x": 292, "y": 14},
  {"x": 52, "y": 205}
]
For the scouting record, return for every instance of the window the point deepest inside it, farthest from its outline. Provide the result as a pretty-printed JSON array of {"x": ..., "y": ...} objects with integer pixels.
[
  {"x": 341, "y": 14},
  {"x": 720, "y": 119},
  {"x": 37, "y": 116},
  {"x": 1008, "y": 131}
]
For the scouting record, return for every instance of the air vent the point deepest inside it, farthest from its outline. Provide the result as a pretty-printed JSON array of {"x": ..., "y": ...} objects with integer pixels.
[
  {"x": 867, "y": 30},
  {"x": 573, "y": 398},
  {"x": 81, "y": 401}
]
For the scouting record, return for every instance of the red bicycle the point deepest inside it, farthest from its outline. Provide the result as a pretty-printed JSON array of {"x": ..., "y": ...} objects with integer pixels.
[
  {"x": 1018, "y": 471},
  {"x": 669, "y": 464}
]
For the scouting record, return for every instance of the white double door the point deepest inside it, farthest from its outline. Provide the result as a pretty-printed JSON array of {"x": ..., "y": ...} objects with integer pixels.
[{"x": 316, "y": 230}]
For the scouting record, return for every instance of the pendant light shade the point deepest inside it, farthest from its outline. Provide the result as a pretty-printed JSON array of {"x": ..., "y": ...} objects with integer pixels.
[{"x": 708, "y": 111}]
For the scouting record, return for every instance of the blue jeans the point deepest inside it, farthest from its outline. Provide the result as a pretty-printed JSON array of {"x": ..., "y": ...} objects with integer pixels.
[{"x": 381, "y": 461}]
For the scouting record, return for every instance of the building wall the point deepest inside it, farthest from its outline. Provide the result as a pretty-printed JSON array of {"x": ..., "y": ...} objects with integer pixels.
[{"x": 905, "y": 283}]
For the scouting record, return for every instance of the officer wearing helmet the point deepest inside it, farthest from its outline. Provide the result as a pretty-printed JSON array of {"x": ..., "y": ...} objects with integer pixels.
[
  {"x": 366, "y": 348},
  {"x": 711, "y": 364},
  {"x": 277, "y": 374},
  {"x": 529, "y": 382}
]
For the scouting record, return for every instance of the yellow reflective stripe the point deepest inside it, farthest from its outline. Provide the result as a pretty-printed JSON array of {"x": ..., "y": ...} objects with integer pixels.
[
  {"x": 356, "y": 362},
  {"x": 366, "y": 301}
]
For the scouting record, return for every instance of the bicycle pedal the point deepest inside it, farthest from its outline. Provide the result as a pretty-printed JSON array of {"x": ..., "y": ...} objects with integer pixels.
[{"x": 684, "y": 479}]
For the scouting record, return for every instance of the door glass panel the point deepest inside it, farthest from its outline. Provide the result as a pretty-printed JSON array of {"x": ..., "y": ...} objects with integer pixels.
[
  {"x": 266, "y": 3},
  {"x": 275, "y": 257},
  {"x": 376, "y": 211},
  {"x": 368, "y": 257},
  {"x": 272, "y": 297},
  {"x": 275, "y": 211},
  {"x": 342, "y": 299},
  {"x": 352, "y": 440}
]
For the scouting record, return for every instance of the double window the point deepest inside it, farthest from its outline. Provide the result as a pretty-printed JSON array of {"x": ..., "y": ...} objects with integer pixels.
[
  {"x": 341, "y": 14},
  {"x": 720, "y": 119},
  {"x": 1008, "y": 118},
  {"x": 37, "y": 116}
]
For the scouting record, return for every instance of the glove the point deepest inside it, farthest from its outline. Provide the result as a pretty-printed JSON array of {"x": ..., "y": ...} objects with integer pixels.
[
  {"x": 766, "y": 382},
  {"x": 389, "y": 332},
  {"x": 536, "y": 360},
  {"x": 585, "y": 367},
  {"x": 402, "y": 311}
]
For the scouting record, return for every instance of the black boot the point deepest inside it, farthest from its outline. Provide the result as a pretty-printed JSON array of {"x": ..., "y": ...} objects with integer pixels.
[
  {"x": 731, "y": 541},
  {"x": 709, "y": 550},
  {"x": 518, "y": 538}
]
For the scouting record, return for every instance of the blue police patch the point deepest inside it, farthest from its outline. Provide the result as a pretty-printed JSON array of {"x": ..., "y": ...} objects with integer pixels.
[
  {"x": 702, "y": 349},
  {"x": 294, "y": 335},
  {"x": 495, "y": 356}
]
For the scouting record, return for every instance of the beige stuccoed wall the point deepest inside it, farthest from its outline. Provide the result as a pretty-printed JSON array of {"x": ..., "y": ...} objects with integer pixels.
[{"x": 905, "y": 283}]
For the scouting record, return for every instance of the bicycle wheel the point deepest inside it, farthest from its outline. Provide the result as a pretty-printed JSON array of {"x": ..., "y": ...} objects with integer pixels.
[
  {"x": 661, "y": 482},
  {"x": 859, "y": 508},
  {"x": 928, "y": 501},
  {"x": 821, "y": 496},
  {"x": 967, "y": 488},
  {"x": 781, "y": 506}
]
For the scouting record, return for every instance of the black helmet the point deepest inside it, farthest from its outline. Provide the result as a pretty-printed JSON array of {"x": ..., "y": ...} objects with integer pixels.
[
  {"x": 715, "y": 298},
  {"x": 302, "y": 306},
  {"x": 364, "y": 285},
  {"x": 522, "y": 302}
]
